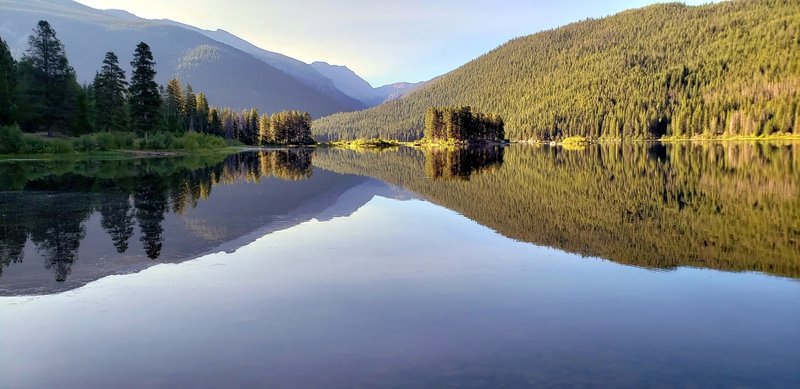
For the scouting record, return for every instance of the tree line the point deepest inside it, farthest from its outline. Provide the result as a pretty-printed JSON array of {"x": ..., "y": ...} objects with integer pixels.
[
  {"x": 669, "y": 70},
  {"x": 461, "y": 124},
  {"x": 40, "y": 92}
]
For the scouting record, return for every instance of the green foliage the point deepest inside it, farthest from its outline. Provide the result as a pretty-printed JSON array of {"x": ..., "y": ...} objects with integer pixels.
[
  {"x": 366, "y": 144},
  {"x": 460, "y": 124},
  {"x": 83, "y": 111},
  {"x": 46, "y": 83},
  {"x": 730, "y": 68},
  {"x": 190, "y": 141},
  {"x": 110, "y": 89},
  {"x": 290, "y": 127},
  {"x": 144, "y": 101},
  {"x": 37, "y": 145},
  {"x": 104, "y": 141},
  {"x": 11, "y": 141},
  {"x": 196, "y": 141},
  {"x": 49, "y": 98},
  {"x": 8, "y": 83},
  {"x": 173, "y": 106}
]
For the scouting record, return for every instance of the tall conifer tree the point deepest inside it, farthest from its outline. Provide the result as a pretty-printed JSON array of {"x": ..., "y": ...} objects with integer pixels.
[
  {"x": 7, "y": 84},
  {"x": 48, "y": 83},
  {"x": 145, "y": 102},
  {"x": 110, "y": 89}
]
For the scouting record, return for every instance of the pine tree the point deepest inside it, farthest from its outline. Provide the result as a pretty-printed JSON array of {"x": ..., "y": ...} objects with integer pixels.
[
  {"x": 215, "y": 123},
  {"x": 190, "y": 109},
  {"x": 48, "y": 83},
  {"x": 253, "y": 124},
  {"x": 145, "y": 102},
  {"x": 173, "y": 105},
  {"x": 7, "y": 84},
  {"x": 264, "y": 132},
  {"x": 110, "y": 88},
  {"x": 203, "y": 113},
  {"x": 81, "y": 120}
]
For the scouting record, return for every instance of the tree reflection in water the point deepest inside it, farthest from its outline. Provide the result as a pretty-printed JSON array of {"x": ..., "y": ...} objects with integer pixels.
[{"x": 49, "y": 202}]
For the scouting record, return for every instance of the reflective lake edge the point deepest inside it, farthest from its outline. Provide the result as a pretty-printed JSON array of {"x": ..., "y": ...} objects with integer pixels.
[{"x": 725, "y": 206}]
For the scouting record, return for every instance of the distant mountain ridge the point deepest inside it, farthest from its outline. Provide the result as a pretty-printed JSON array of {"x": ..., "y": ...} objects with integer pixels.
[
  {"x": 353, "y": 85},
  {"x": 229, "y": 70},
  {"x": 302, "y": 71}
]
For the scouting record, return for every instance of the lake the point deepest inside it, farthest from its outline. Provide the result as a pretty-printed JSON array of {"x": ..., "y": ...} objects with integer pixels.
[{"x": 632, "y": 265}]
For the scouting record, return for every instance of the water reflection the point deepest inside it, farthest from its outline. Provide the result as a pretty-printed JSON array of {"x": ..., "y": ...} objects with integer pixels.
[
  {"x": 731, "y": 206},
  {"x": 45, "y": 216},
  {"x": 462, "y": 162}
]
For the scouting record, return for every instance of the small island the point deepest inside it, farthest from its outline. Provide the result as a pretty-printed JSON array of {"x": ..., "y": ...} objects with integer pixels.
[{"x": 460, "y": 125}]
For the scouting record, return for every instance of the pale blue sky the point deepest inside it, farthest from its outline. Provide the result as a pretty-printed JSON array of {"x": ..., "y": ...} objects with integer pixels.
[{"x": 383, "y": 41}]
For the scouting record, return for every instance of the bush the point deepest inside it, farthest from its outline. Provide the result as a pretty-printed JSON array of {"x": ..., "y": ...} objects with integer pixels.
[
  {"x": 104, "y": 141},
  {"x": 11, "y": 141},
  {"x": 84, "y": 144},
  {"x": 158, "y": 141},
  {"x": 189, "y": 141},
  {"x": 35, "y": 145}
]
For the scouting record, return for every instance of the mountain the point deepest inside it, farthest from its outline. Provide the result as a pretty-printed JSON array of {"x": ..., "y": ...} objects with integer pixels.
[
  {"x": 397, "y": 90},
  {"x": 729, "y": 68},
  {"x": 227, "y": 74},
  {"x": 354, "y": 86},
  {"x": 302, "y": 71}
]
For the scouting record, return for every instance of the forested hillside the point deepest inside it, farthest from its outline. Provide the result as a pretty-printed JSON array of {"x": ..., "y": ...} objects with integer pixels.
[{"x": 731, "y": 68}]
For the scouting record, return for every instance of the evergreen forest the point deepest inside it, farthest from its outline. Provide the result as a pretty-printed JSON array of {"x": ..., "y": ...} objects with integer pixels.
[
  {"x": 40, "y": 94},
  {"x": 668, "y": 70},
  {"x": 462, "y": 125}
]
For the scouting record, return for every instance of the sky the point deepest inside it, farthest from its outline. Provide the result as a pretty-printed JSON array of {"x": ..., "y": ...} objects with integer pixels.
[{"x": 383, "y": 41}]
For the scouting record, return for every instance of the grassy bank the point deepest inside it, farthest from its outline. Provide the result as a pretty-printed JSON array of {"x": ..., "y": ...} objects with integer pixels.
[{"x": 14, "y": 144}]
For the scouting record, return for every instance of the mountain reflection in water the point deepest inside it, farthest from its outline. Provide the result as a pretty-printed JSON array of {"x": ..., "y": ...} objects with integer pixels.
[
  {"x": 726, "y": 206},
  {"x": 90, "y": 219},
  {"x": 732, "y": 207}
]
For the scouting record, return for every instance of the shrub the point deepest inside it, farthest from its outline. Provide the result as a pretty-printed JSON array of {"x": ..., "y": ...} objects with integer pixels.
[
  {"x": 158, "y": 141},
  {"x": 84, "y": 144},
  {"x": 35, "y": 145},
  {"x": 11, "y": 141}
]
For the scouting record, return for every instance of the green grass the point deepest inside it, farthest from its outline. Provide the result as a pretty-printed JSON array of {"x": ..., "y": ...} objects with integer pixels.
[{"x": 13, "y": 142}]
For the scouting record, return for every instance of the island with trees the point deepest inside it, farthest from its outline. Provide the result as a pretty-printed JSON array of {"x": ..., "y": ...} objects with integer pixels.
[
  {"x": 460, "y": 125},
  {"x": 44, "y": 110}
]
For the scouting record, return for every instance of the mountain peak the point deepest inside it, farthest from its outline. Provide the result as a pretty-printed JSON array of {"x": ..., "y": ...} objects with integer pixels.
[
  {"x": 351, "y": 84},
  {"x": 122, "y": 14}
]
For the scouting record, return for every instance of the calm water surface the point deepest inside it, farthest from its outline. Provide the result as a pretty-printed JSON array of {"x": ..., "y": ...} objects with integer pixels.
[{"x": 625, "y": 265}]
